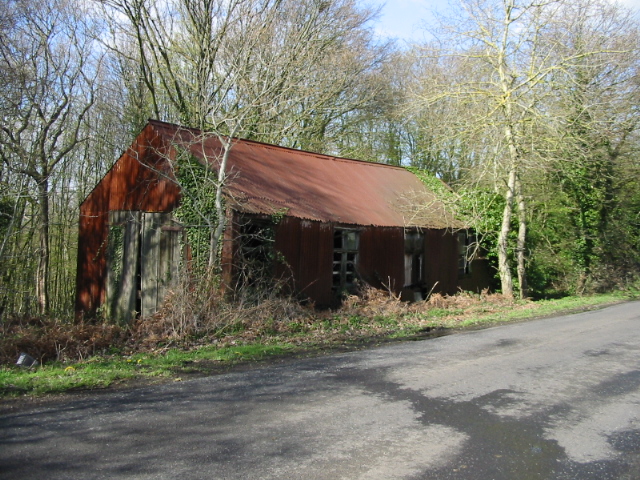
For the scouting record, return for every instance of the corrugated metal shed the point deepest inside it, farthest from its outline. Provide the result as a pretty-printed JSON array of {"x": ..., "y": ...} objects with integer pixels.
[
  {"x": 317, "y": 194},
  {"x": 265, "y": 179}
]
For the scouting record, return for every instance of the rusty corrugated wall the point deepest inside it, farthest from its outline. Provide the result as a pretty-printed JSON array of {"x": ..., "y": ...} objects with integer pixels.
[
  {"x": 132, "y": 183},
  {"x": 381, "y": 258},
  {"x": 441, "y": 261},
  {"x": 315, "y": 193},
  {"x": 307, "y": 248}
]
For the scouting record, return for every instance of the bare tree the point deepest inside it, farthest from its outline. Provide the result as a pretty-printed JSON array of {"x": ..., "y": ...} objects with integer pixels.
[
  {"x": 510, "y": 49},
  {"x": 280, "y": 71},
  {"x": 50, "y": 89}
]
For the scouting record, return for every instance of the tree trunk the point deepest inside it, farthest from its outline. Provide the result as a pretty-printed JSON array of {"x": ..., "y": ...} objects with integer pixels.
[
  {"x": 522, "y": 237},
  {"x": 218, "y": 229},
  {"x": 504, "y": 268},
  {"x": 42, "y": 273}
]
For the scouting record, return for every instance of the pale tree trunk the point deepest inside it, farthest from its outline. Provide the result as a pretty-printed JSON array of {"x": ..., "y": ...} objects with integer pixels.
[
  {"x": 504, "y": 269},
  {"x": 217, "y": 230},
  {"x": 42, "y": 274},
  {"x": 522, "y": 237},
  {"x": 506, "y": 84}
]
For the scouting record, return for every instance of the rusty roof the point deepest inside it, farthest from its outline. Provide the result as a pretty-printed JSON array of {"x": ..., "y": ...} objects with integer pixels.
[{"x": 266, "y": 179}]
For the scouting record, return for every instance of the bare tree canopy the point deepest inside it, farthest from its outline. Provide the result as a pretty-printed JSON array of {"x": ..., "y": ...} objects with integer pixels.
[{"x": 51, "y": 68}]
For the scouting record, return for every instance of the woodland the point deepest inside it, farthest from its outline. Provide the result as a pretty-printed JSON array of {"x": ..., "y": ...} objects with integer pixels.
[{"x": 528, "y": 110}]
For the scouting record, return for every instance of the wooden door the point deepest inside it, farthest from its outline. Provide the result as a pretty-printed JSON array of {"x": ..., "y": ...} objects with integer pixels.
[
  {"x": 160, "y": 259},
  {"x": 123, "y": 272},
  {"x": 143, "y": 262}
]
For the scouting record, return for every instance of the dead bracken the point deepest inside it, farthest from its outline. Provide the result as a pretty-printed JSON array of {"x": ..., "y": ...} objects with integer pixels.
[{"x": 188, "y": 321}]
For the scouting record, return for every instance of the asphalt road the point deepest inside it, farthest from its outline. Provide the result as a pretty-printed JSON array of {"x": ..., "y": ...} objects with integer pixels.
[{"x": 557, "y": 398}]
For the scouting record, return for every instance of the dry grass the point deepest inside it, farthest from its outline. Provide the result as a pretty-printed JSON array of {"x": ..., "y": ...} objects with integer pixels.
[
  {"x": 190, "y": 319},
  {"x": 49, "y": 339}
]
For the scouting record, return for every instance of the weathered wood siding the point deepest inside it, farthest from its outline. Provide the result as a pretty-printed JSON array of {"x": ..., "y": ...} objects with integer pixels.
[{"x": 138, "y": 181}]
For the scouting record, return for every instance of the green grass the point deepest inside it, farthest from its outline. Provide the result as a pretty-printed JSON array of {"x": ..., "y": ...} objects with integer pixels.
[
  {"x": 100, "y": 372},
  {"x": 104, "y": 371},
  {"x": 543, "y": 308}
]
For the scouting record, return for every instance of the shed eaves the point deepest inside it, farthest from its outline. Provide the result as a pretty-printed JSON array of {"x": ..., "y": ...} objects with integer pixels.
[{"x": 266, "y": 179}]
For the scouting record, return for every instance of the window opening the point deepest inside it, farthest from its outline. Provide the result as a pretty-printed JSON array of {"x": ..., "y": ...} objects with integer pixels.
[
  {"x": 345, "y": 259},
  {"x": 413, "y": 258},
  {"x": 464, "y": 264},
  {"x": 256, "y": 254}
]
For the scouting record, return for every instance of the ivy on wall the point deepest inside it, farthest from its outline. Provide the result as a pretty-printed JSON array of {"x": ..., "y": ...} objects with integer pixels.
[{"x": 196, "y": 212}]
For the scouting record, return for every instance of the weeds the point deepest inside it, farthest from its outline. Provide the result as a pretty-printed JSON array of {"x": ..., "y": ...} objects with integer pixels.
[
  {"x": 192, "y": 331},
  {"x": 55, "y": 340}
]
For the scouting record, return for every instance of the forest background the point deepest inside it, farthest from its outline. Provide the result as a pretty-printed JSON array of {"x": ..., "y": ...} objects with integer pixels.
[{"x": 527, "y": 109}]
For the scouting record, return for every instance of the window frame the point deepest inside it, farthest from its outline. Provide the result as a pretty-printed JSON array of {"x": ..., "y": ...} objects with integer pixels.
[{"x": 344, "y": 271}]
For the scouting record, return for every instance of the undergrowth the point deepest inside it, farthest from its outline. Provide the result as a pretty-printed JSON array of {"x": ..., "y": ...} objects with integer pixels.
[
  {"x": 187, "y": 324},
  {"x": 189, "y": 330}
]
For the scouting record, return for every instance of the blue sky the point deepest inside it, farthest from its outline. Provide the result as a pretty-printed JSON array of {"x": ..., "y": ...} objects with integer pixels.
[{"x": 402, "y": 19}]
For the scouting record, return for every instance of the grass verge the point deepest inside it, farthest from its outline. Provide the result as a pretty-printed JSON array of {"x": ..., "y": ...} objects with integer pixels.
[
  {"x": 105, "y": 371},
  {"x": 359, "y": 323}
]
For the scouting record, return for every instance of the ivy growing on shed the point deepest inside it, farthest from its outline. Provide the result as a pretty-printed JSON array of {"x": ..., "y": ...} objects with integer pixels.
[{"x": 197, "y": 210}]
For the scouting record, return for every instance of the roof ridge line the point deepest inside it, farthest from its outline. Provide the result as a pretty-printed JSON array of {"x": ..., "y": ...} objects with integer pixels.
[{"x": 258, "y": 143}]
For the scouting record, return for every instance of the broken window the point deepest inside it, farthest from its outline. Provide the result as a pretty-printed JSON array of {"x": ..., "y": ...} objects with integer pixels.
[
  {"x": 256, "y": 252},
  {"x": 413, "y": 258},
  {"x": 345, "y": 259}
]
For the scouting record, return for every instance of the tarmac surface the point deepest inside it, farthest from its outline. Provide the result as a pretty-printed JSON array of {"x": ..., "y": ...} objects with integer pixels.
[{"x": 557, "y": 398}]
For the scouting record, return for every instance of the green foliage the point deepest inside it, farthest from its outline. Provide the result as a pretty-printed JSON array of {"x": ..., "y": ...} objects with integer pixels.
[
  {"x": 588, "y": 190},
  {"x": 277, "y": 216},
  {"x": 482, "y": 210},
  {"x": 434, "y": 184},
  {"x": 197, "y": 210},
  {"x": 595, "y": 231}
]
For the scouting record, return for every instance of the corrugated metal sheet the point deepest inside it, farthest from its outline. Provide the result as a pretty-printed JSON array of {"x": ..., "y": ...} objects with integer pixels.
[
  {"x": 441, "y": 261},
  {"x": 307, "y": 248},
  {"x": 381, "y": 257},
  {"x": 264, "y": 179},
  {"x": 139, "y": 180},
  {"x": 317, "y": 192}
]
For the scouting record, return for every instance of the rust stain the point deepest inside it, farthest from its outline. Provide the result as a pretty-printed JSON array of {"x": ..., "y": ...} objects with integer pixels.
[
  {"x": 314, "y": 191},
  {"x": 265, "y": 179}
]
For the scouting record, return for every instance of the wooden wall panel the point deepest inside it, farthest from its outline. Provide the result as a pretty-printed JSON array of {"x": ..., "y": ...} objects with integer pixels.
[{"x": 139, "y": 181}]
